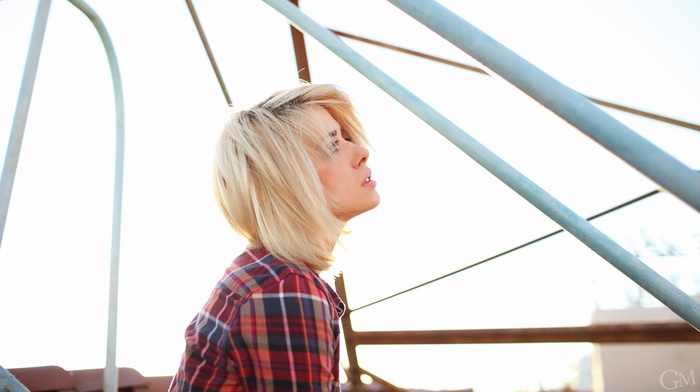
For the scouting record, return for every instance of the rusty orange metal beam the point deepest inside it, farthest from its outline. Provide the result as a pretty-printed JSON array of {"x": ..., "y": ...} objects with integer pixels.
[
  {"x": 353, "y": 371},
  {"x": 300, "y": 51},
  {"x": 606, "y": 333}
]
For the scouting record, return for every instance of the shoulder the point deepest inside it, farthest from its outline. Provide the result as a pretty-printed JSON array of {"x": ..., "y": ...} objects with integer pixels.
[
  {"x": 257, "y": 270},
  {"x": 257, "y": 274}
]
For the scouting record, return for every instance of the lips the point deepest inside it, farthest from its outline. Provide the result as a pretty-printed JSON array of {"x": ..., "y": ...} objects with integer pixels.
[
  {"x": 369, "y": 176},
  {"x": 368, "y": 180}
]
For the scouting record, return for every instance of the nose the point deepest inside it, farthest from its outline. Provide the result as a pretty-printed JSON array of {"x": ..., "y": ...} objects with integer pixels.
[{"x": 362, "y": 156}]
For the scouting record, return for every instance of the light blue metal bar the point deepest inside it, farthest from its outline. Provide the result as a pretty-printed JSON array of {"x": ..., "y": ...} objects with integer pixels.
[
  {"x": 9, "y": 383},
  {"x": 640, "y": 273},
  {"x": 111, "y": 375},
  {"x": 650, "y": 160},
  {"x": 14, "y": 146}
]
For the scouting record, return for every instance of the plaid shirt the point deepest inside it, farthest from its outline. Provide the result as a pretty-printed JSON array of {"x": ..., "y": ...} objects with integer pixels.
[{"x": 267, "y": 326}]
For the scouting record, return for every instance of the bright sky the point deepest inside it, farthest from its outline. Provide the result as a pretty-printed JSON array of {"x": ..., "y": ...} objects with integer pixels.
[{"x": 440, "y": 211}]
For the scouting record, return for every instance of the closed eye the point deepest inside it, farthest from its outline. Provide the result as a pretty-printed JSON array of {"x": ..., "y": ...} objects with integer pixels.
[
  {"x": 346, "y": 137},
  {"x": 335, "y": 145}
]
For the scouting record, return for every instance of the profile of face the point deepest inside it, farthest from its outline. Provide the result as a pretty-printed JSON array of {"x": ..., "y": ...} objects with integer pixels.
[{"x": 346, "y": 179}]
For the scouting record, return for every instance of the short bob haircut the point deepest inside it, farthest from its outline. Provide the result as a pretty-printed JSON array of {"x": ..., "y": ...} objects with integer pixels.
[{"x": 265, "y": 181}]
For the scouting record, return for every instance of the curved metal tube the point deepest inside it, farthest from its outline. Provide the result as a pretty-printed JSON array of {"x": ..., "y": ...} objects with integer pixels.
[{"x": 110, "y": 374}]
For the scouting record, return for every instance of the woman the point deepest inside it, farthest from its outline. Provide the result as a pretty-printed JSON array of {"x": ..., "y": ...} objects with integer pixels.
[{"x": 288, "y": 174}]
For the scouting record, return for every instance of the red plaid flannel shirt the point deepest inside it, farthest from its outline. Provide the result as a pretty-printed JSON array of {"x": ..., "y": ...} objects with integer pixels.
[{"x": 268, "y": 325}]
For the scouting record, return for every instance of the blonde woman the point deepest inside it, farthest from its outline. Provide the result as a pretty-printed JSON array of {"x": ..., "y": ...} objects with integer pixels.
[{"x": 288, "y": 174}]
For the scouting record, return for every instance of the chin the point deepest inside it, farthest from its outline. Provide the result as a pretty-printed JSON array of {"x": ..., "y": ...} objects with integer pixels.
[
  {"x": 375, "y": 203},
  {"x": 358, "y": 209},
  {"x": 347, "y": 216}
]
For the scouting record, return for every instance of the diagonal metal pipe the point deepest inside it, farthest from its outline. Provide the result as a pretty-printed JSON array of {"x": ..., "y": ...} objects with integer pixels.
[
  {"x": 14, "y": 146},
  {"x": 670, "y": 295},
  {"x": 207, "y": 48},
  {"x": 571, "y": 106}
]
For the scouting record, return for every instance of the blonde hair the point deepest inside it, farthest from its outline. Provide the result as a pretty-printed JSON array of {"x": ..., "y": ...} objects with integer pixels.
[{"x": 264, "y": 179}]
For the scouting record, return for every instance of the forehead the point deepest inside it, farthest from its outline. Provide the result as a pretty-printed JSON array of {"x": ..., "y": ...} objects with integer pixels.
[{"x": 327, "y": 121}]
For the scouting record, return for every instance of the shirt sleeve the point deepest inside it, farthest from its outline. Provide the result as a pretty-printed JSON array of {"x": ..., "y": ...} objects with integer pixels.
[{"x": 284, "y": 340}]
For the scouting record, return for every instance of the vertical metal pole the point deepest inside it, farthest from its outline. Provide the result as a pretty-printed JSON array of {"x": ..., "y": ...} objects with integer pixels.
[
  {"x": 300, "y": 51},
  {"x": 14, "y": 146},
  {"x": 111, "y": 376},
  {"x": 584, "y": 231},
  {"x": 577, "y": 110},
  {"x": 354, "y": 371}
]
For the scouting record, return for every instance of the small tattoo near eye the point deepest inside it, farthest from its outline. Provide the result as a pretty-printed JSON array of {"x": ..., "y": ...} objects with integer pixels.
[{"x": 334, "y": 147}]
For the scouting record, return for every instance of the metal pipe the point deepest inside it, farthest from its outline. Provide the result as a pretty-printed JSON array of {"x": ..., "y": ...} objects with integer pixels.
[
  {"x": 600, "y": 333},
  {"x": 14, "y": 146},
  {"x": 111, "y": 376},
  {"x": 300, "y": 51},
  {"x": 9, "y": 383},
  {"x": 571, "y": 106},
  {"x": 353, "y": 373},
  {"x": 640, "y": 273},
  {"x": 471, "y": 68},
  {"x": 505, "y": 252},
  {"x": 210, "y": 55}
]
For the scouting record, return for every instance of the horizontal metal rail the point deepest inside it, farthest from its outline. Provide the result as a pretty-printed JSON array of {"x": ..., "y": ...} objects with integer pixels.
[
  {"x": 603, "y": 333},
  {"x": 670, "y": 295}
]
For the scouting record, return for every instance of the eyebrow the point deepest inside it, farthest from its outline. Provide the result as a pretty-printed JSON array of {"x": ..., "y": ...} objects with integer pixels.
[{"x": 333, "y": 133}]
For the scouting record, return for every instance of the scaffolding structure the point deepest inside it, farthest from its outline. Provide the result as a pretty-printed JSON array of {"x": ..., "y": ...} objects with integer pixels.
[{"x": 578, "y": 110}]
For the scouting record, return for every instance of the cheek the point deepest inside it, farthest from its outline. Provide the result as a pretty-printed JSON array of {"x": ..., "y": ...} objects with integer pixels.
[
  {"x": 337, "y": 192},
  {"x": 332, "y": 188},
  {"x": 329, "y": 176},
  {"x": 328, "y": 183},
  {"x": 336, "y": 176},
  {"x": 323, "y": 176}
]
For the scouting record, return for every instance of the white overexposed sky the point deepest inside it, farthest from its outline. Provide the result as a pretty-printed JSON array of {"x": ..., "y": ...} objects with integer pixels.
[{"x": 440, "y": 211}]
